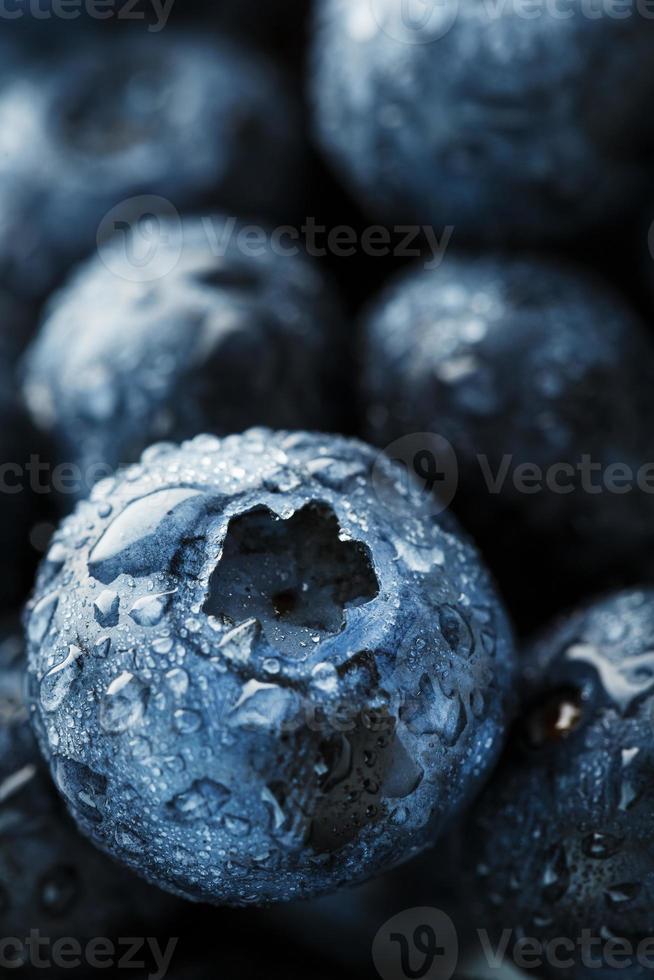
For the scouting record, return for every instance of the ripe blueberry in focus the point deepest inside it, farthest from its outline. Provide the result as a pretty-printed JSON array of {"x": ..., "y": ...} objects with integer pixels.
[
  {"x": 561, "y": 840},
  {"x": 126, "y": 121},
  {"x": 205, "y": 342},
  {"x": 255, "y": 676},
  {"x": 500, "y": 124},
  {"x": 51, "y": 879},
  {"x": 542, "y": 379}
]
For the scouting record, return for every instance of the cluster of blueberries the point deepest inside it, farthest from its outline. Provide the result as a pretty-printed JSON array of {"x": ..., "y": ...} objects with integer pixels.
[{"x": 302, "y": 521}]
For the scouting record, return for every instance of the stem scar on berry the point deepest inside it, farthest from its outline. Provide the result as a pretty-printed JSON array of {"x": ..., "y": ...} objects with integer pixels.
[
  {"x": 554, "y": 718},
  {"x": 294, "y": 576}
]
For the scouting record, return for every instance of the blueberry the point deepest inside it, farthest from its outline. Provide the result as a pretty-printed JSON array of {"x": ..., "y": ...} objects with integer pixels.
[
  {"x": 125, "y": 121},
  {"x": 308, "y": 677},
  {"x": 500, "y": 124},
  {"x": 522, "y": 362},
  {"x": 215, "y": 341},
  {"x": 560, "y": 842},
  {"x": 51, "y": 879}
]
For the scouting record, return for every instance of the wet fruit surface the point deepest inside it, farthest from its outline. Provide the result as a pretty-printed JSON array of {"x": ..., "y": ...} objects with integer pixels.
[
  {"x": 51, "y": 879},
  {"x": 254, "y": 678},
  {"x": 561, "y": 839}
]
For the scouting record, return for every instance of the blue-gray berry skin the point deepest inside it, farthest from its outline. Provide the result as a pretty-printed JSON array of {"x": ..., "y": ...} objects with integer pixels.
[
  {"x": 561, "y": 840},
  {"x": 256, "y": 676},
  {"x": 501, "y": 125},
  {"x": 524, "y": 362},
  {"x": 207, "y": 342},
  {"x": 51, "y": 878},
  {"x": 180, "y": 116}
]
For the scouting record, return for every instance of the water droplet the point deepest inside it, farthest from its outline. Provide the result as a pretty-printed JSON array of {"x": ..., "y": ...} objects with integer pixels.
[
  {"x": 333, "y": 472},
  {"x": 628, "y": 795},
  {"x": 186, "y": 721},
  {"x": 105, "y": 608},
  {"x": 56, "y": 556},
  {"x": 278, "y": 817},
  {"x": 324, "y": 677},
  {"x": 102, "y": 646},
  {"x": 85, "y": 789},
  {"x": 430, "y": 712},
  {"x": 620, "y": 895},
  {"x": 238, "y": 826},
  {"x": 456, "y": 631},
  {"x": 601, "y": 846},
  {"x": 162, "y": 644},
  {"x": 624, "y": 680},
  {"x": 129, "y": 841},
  {"x": 149, "y": 610},
  {"x": 41, "y": 617},
  {"x": 556, "y": 876},
  {"x": 178, "y": 681},
  {"x": 236, "y": 645},
  {"x": 263, "y": 706},
  {"x": 56, "y": 684},
  {"x": 144, "y": 537},
  {"x": 124, "y": 703},
  {"x": 202, "y": 801}
]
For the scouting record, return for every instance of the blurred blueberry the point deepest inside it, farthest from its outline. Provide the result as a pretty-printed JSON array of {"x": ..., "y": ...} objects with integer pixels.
[
  {"x": 542, "y": 379},
  {"x": 124, "y": 120},
  {"x": 501, "y": 122},
  {"x": 201, "y": 335}
]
